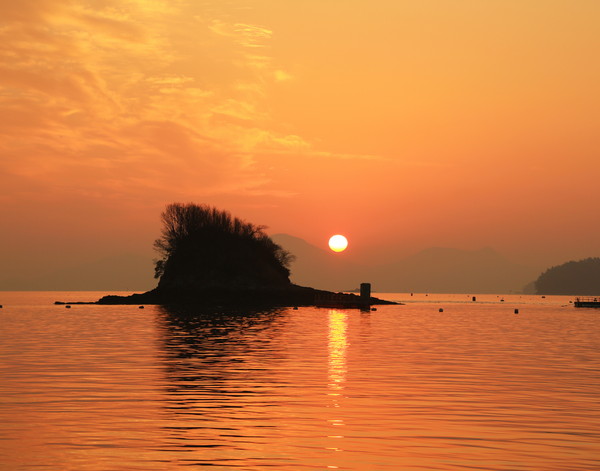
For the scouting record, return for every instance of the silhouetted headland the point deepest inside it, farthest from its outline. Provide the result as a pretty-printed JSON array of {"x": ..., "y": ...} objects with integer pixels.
[
  {"x": 210, "y": 258},
  {"x": 580, "y": 277}
]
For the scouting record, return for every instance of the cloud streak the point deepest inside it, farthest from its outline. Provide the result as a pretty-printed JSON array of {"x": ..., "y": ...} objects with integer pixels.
[{"x": 113, "y": 101}]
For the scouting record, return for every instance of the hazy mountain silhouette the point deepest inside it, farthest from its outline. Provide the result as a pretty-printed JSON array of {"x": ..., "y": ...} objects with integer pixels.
[
  {"x": 431, "y": 270},
  {"x": 447, "y": 270},
  {"x": 122, "y": 272},
  {"x": 320, "y": 268},
  {"x": 439, "y": 270}
]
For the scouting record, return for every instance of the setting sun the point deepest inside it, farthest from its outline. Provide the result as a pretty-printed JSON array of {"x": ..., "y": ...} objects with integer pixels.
[{"x": 338, "y": 243}]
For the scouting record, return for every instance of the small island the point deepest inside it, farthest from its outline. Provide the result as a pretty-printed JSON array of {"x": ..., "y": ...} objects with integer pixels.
[{"x": 211, "y": 259}]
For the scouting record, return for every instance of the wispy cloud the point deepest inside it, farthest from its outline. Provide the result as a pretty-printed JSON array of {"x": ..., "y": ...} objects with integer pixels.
[{"x": 113, "y": 100}]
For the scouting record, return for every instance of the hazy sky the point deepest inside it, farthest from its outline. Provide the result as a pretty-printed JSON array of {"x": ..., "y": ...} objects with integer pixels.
[{"x": 401, "y": 124}]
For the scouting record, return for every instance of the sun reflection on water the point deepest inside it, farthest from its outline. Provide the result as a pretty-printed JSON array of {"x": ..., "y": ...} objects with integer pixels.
[
  {"x": 338, "y": 343},
  {"x": 337, "y": 346}
]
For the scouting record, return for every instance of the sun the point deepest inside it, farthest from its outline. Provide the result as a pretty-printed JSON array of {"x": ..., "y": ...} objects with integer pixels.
[{"x": 338, "y": 243}]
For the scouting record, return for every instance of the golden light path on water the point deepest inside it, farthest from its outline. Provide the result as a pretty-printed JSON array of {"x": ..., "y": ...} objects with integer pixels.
[
  {"x": 337, "y": 346},
  {"x": 405, "y": 387},
  {"x": 338, "y": 343}
]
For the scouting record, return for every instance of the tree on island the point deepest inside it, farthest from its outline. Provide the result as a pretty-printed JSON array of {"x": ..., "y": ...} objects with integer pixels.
[
  {"x": 572, "y": 278},
  {"x": 204, "y": 246}
]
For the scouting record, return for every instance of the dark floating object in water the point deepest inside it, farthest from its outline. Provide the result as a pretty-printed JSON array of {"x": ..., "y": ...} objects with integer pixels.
[
  {"x": 474, "y": 298},
  {"x": 516, "y": 311},
  {"x": 141, "y": 307},
  {"x": 440, "y": 310},
  {"x": 587, "y": 301},
  {"x": 68, "y": 307},
  {"x": 502, "y": 300},
  {"x": 295, "y": 308},
  {"x": 373, "y": 309}
]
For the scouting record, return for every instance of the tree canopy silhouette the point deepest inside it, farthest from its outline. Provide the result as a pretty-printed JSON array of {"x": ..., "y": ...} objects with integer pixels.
[
  {"x": 572, "y": 278},
  {"x": 204, "y": 246}
]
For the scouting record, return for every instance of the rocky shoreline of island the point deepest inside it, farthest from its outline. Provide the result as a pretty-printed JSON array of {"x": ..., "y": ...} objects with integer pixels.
[{"x": 290, "y": 296}]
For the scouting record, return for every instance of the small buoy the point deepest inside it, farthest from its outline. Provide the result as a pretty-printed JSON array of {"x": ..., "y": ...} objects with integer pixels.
[
  {"x": 68, "y": 307},
  {"x": 502, "y": 300},
  {"x": 474, "y": 298},
  {"x": 0, "y": 306},
  {"x": 373, "y": 309},
  {"x": 516, "y": 311},
  {"x": 543, "y": 296},
  {"x": 441, "y": 310},
  {"x": 295, "y": 308}
]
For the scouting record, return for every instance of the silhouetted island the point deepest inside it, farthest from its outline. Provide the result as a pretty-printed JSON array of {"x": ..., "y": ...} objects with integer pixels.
[
  {"x": 580, "y": 277},
  {"x": 210, "y": 258}
]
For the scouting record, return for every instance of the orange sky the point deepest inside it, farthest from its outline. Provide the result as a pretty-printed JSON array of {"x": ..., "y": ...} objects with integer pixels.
[{"x": 401, "y": 124}]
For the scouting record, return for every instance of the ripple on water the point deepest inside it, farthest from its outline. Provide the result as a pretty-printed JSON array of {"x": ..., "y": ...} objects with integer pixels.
[{"x": 406, "y": 387}]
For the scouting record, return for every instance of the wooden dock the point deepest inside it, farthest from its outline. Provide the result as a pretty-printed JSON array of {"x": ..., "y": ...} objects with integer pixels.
[{"x": 587, "y": 301}]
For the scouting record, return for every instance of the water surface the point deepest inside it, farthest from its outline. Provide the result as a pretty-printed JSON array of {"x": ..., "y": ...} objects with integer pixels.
[{"x": 404, "y": 387}]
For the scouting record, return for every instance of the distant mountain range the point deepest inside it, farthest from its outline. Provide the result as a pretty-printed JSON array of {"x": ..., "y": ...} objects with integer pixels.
[
  {"x": 124, "y": 272},
  {"x": 434, "y": 270}
]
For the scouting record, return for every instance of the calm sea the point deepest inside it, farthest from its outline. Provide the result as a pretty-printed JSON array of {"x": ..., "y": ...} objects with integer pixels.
[{"x": 475, "y": 387}]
